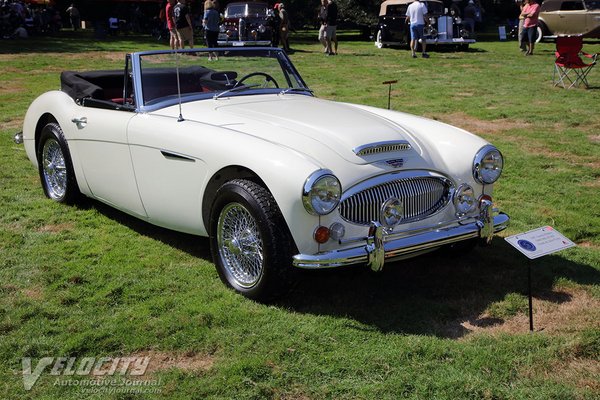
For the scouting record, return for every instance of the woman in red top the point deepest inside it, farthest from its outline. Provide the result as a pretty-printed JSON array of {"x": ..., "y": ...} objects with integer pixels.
[
  {"x": 530, "y": 13},
  {"x": 174, "y": 39}
]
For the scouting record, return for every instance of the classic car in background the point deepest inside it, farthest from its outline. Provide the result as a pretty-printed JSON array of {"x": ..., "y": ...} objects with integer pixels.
[
  {"x": 246, "y": 24},
  {"x": 569, "y": 17},
  {"x": 241, "y": 151},
  {"x": 440, "y": 29}
]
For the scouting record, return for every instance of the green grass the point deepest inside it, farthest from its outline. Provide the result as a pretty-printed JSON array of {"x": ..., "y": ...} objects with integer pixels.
[{"x": 91, "y": 281}]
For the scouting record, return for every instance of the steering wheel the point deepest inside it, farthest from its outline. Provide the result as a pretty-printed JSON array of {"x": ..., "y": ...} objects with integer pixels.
[{"x": 268, "y": 78}]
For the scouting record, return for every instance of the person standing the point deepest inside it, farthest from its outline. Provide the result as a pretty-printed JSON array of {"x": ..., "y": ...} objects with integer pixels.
[
  {"x": 74, "y": 17},
  {"x": 530, "y": 12},
  {"x": 183, "y": 24},
  {"x": 415, "y": 15},
  {"x": 170, "y": 16},
  {"x": 210, "y": 23},
  {"x": 322, "y": 18},
  {"x": 284, "y": 28},
  {"x": 522, "y": 44},
  {"x": 470, "y": 15},
  {"x": 332, "y": 15}
]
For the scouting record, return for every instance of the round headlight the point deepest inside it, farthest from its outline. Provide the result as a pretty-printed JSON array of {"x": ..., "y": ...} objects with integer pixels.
[
  {"x": 464, "y": 200},
  {"x": 487, "y": 165},
  {"x": 322, "y": 193}
]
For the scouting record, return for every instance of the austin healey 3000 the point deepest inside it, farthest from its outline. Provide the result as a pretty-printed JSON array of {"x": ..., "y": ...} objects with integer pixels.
[{"x": 240, "y": 150}]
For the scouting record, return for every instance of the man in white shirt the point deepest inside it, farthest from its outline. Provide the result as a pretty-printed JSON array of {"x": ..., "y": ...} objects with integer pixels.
[{"x": 415, "y": 15}]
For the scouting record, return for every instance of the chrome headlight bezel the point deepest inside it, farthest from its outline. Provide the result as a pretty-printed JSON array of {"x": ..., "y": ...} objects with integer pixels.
[
  {"x": 464, "y": 200},
  {"x": 487, "y": 165},
  {"x": 321, "y": 193}
]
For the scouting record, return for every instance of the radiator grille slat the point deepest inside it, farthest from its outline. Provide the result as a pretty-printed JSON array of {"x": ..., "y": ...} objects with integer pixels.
[{"x": 421, "y": 196}]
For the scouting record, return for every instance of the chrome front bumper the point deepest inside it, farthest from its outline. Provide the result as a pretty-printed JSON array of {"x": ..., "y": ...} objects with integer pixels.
[{"x": 380, "y": 247}]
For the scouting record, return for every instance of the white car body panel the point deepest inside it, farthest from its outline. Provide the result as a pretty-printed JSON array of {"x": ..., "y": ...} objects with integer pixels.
[{"x": 157, "y": 164}]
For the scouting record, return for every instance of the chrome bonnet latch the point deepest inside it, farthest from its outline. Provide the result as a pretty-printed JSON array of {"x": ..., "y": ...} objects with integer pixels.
[{"x": 375, "y": 246}]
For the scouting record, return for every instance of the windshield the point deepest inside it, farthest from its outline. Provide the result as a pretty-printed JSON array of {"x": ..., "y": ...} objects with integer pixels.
[
  {"x": 242, "y": 10},
  {"x": 434, "y": 8},
  {"x": 198, "y": 75},
  {"x": 592, "y": 5}
]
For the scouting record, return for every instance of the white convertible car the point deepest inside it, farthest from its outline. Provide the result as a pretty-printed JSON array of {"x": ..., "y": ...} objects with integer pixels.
[{"x": 238, "y": 149}]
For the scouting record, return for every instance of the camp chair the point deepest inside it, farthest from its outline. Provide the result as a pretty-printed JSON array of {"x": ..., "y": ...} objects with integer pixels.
[{"x": 569, "y": 68}]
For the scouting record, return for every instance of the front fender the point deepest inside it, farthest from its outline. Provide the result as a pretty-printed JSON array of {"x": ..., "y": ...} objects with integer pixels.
[{"x": 58, "y": 106}]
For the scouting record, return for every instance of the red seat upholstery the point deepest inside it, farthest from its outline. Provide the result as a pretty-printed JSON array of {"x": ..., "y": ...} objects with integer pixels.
[{"x": 569, "y": 67}]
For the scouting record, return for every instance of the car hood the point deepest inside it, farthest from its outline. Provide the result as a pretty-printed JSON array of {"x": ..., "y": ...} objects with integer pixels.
[
  {"x": 328, "y": 132},
  {"x": 306, "y": 124}
]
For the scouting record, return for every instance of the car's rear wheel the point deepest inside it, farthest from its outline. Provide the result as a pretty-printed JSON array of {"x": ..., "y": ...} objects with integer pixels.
[
  {"x": 55, "y": 166},
  {"x": 250, "y": 242}
]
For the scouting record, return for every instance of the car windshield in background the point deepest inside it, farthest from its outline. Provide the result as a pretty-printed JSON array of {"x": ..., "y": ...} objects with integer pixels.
[
  {"x": 167, "y": 75},
  {"x": 434, "y": 8},
  {"x": 241, "y": 10},
  {"x": 592, "y": 5}
]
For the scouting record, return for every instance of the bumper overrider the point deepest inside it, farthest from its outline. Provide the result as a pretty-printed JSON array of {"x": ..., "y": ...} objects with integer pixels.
[{"x": 380, "y": 246}]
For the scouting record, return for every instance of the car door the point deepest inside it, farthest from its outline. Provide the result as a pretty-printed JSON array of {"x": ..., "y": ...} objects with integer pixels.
[
  {"x": 572, "y": 17},
  {"x": 169, "y": 171},
  {"x": 100, "y": 136}
]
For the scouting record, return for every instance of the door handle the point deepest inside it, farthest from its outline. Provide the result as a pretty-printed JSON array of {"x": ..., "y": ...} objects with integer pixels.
[{"x": 80, "y": 122}]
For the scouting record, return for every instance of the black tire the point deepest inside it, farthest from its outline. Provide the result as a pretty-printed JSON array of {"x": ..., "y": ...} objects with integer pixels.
[
  {"x": 55, "y": 167},
  {"x": 250, "y": 243}
]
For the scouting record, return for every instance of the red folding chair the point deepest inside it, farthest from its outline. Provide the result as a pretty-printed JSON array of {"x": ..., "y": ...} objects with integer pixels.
[{"x": 569, "y": 67}]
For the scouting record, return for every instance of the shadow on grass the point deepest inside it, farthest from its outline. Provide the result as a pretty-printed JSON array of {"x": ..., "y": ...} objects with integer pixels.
[
  {"x": 429, "y": 295},
  {"x": 434, "y": 294},
  {"x": 194, "y": 245},
  {"x": 73, "y": 42}
]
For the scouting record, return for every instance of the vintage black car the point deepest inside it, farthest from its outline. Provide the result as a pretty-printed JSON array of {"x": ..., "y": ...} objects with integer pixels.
[
  {"x": 440, "y": 29},
  {"x": 246, "y": 24}
]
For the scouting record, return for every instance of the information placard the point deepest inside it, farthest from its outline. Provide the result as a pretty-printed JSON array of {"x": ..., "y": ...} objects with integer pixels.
[{"x": 539, "y": 242}]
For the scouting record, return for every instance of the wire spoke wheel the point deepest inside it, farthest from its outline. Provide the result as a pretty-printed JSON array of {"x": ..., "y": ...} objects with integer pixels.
[
  {"x": 54, "y": 169},
  {"x": 240, "y": 244},
  {"x": 250, "y": 243}
]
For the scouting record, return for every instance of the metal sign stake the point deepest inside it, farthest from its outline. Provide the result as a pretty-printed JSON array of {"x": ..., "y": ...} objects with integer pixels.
[
  {"x": 537, "y": 243},
  {"x": 389, "y": 90}
]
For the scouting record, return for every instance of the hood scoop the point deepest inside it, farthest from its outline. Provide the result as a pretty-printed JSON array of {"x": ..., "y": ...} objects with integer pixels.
[{"x": 381, "y": 147}]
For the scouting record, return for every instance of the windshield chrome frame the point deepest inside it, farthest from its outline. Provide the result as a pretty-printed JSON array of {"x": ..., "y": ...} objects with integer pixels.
[{"x": 136, "y": 63}]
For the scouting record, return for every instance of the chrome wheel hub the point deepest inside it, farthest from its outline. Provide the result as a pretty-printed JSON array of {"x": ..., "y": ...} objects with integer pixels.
[
  {"x": 240, "y": 245},
  {"x": 54, "y": 169}
]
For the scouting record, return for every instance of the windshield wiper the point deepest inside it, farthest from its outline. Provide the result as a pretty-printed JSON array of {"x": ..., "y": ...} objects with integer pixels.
[
  {"x": 296, "y": 89},
  {"x": 234, "y": 89}
]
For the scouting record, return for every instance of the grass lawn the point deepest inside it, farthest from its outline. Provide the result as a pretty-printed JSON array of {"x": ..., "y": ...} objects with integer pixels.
[{"x": 88, "y": 281}]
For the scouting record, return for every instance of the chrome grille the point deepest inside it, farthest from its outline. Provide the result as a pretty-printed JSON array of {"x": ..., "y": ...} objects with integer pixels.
[{"x": 421, "y": 196}]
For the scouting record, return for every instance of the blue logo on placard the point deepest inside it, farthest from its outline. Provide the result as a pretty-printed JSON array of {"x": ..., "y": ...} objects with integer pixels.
[{"x": 527, "y": 245}]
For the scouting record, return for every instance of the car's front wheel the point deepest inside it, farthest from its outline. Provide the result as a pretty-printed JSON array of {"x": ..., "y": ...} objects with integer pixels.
[
  {"x": 55, "y": 167},
  {"x": 250, "y": 242},
  {"x": 541, "y": 30}
]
